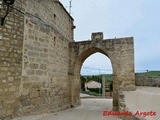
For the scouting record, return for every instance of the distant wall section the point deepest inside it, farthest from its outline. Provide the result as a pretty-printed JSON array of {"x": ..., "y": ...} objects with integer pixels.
[{"x": 147, "y": 81}]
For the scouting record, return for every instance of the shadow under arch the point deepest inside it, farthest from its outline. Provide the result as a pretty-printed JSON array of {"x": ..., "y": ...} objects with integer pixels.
[{"x": 77, "y": 68}]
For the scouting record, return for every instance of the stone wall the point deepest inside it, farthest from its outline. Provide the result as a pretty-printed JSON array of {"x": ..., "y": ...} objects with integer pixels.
[
  {"x": 10, "y": 61},
  {"x": 124, "y": 108},
  {"x": 147, "y": 81},
  {"x": 40, "y": 62},
  {"x": 34, "y": 59},
  {"x": 120, "y": 51}
]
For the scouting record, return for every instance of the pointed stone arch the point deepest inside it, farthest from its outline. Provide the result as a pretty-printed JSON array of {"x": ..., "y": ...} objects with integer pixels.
[{"x": 121, "y": 54}]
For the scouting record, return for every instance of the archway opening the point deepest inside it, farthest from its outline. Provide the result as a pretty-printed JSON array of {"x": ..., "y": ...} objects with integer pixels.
[
  {"x": 76, "y": 83},
  {"x": 96, "y": 76},
  {"x": 121, "y": 54}
]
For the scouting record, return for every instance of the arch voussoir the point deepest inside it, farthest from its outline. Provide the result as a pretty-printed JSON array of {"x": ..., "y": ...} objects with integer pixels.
[{"x": 120, "y": 51}]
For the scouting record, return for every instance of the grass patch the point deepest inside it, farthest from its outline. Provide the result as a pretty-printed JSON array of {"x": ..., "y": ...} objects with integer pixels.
[
  {"x": 91, "y": 93},
  {"x": 151, "y": 73}
]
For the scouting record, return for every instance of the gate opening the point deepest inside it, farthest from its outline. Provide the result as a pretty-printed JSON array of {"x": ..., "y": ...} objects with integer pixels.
[{"x": 96, "y": 77}]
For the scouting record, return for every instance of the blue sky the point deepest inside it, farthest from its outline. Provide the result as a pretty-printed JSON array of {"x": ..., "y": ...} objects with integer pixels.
[{"x": 119, "y": 18}]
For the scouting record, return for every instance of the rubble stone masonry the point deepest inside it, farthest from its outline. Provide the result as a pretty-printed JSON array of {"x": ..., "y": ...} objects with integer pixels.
[{"x": 152, "y": 81}]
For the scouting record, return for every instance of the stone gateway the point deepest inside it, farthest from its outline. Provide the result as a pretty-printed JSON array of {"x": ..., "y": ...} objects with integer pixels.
[
  {"x": 119, "y": 51},
  {"x": 40, "y": 62}
]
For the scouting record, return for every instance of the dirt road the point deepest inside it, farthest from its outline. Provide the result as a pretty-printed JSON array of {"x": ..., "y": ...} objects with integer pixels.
[{"x": 90, "y": 109}]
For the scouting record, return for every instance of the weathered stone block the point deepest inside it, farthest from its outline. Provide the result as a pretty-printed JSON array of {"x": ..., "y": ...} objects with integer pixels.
[
  {"x": 34, "y": 66},
  {"x": 97, "y": 36}
]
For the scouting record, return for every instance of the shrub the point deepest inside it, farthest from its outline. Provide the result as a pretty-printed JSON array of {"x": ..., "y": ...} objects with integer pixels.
[{"x": 96, "y": 90}]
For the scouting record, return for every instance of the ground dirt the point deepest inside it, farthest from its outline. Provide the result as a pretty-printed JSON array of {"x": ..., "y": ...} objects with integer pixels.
[{"x": 90, "y": 109}]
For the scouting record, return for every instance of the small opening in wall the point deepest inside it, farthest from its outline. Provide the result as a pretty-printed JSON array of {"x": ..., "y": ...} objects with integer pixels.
[
  {"x": 1, "y": 37},
  {"x": 55, "y": 17},
  {"x": 54, "y": 41},
  {"x": 0, "y": 3}
]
